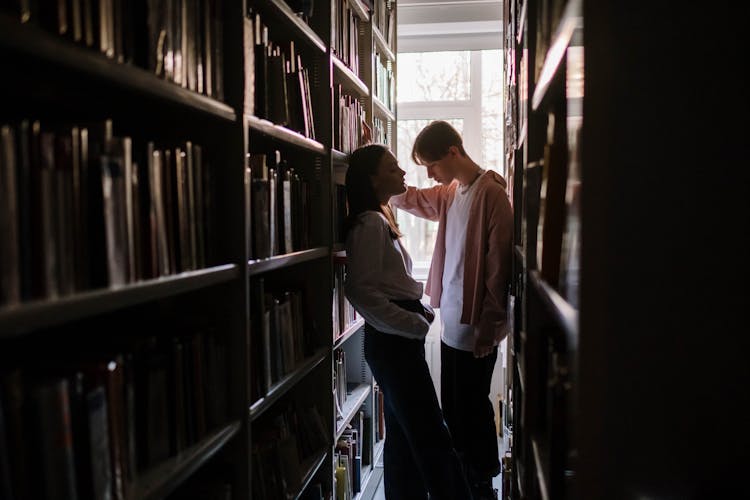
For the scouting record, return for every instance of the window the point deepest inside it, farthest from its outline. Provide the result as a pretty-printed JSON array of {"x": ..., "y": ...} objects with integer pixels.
[{"x": 465, "y": 89}]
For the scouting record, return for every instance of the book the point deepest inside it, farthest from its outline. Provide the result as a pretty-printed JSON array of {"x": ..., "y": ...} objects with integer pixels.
[
  {"x": 54, "y": 436},
  {"x": 48, "y": 203},
  {"x": 249, "y": 36},
  {"x": 10, "y": 258},
  {"x": 260, "y": 57},
  {"x": 19, "y": 443},
  {"x": 261, "y": 211},
  {"x": 113, "y": 194}
]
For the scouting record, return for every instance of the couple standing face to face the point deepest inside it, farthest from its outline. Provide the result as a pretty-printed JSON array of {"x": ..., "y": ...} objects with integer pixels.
[{"x": 388, "y": 179}]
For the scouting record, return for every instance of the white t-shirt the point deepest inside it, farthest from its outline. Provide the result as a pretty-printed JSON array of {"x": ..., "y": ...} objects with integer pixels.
[{"x": 456, "y": 334}]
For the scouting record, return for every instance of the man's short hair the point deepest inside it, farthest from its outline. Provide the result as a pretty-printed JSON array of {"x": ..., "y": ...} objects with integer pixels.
[{"x": 433, "y": 141}]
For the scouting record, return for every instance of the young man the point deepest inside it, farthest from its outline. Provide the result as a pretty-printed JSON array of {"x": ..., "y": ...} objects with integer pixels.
[{"x": 468, "y": 280}]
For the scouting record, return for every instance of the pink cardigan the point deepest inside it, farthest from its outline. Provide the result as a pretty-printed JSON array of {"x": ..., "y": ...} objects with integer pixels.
[{"x": 488, "y": 250}]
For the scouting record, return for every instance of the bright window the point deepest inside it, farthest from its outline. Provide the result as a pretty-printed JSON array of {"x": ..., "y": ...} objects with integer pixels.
[{"x": 465, "y": 89}]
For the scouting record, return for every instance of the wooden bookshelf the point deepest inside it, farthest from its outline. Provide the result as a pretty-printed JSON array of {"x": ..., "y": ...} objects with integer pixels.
[
  {"x": 348, "y": 79},
  {"x": 348, "y": 333},
  {"x": 281, "y": 261},
  {"x": 147, "y": 108},
  {"x": 165, "y": 478},
  {"x": 382, "y": 45},
  {"x": 284, "y": 135},
  {"x": 382, "y": 110},
  {"x": 311, "y": 467},
  {"x": 283, "y": 386},
  {"x": 352, "y": 403},
  {"x": 302, "y": 29},
  {"x": 607, "y": 353},
  {"x": 339, "y": 158},
  {"x": 27, "y": 317},
  {"x": 34, "y": 44},
  {"x": 360, "y": 9}
]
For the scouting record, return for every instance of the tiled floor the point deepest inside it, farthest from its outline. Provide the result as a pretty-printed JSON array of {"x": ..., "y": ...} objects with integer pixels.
[
  {"x": 380, "y": 493},
  {"x": 497, "y": 481}
]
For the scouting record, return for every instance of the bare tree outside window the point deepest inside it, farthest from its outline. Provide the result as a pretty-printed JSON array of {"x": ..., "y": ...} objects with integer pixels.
[{"x": 434, "y": 76}]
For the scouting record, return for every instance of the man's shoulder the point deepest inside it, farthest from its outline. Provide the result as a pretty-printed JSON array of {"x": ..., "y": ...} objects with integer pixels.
[{"x": 492, "y": 183}]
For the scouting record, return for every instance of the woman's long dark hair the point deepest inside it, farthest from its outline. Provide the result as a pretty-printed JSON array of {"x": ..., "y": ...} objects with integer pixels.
[{"x": 360, "y": 195}]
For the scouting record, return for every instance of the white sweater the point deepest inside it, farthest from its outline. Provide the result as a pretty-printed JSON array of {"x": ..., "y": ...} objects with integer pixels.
[{"x": 379, "y": 270}]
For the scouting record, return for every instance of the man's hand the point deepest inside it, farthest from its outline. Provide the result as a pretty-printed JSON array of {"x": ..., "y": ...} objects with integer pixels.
[{"x": 481, "y": 350}]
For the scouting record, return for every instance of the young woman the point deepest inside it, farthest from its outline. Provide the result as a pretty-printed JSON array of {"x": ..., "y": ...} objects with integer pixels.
[{"x": 419, "y": 458}]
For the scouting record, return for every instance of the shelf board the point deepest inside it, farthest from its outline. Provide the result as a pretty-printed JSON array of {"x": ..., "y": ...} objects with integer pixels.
[
  {"x": 311, "y": 468},
  {"x": 339, "y": 157},
  {"x": 522, "y": 22},
  {"x": 348, "y": 79},
  {"x": 286, "y": 260},
  {"x": 378, "y": 451},
  {"x": 36, "y": 44},
  {"x": 30, "y": 316},
  {"x": 163, "y": 479},
  {"x": 303, "y": 30},
  {"x": 359, "y": 8},
  {"x": 382, "y": 45},
  {"x": 351, "y": 405},
  {"x": 564, "y": 314},
  {"x": 283, "y": 134},
  {"x": 366, "y": 475},
  {"x": 571, "y": 19},
  {"x": 541, "y": 471},
  {"x": 287, "y": 382},
  {"x": 351, "y": 330},
  {"x": 382, "y": 109}
]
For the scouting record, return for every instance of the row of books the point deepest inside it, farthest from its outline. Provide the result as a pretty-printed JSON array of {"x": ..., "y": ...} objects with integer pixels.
[
  {"x": 349, "y": 122},
  {"x": 380, "y": 133},
  {"x": 344, "y": 314},
  {"x": 345, "y": 34},
  {"x": 82, "y": 208},
  {"x": 283, "y": 450},
  {"x": 178, "y": 40},
  {"x": 279, "y": 208},
  {"x": 278, "y": 87},
  {"x": 348, "y": 460},
  {"x": 384, "y": 19},
  {"x": 385, "y": 82},
  {"x": 88, "y": 428},
  {"x": 282, "y": 337}
]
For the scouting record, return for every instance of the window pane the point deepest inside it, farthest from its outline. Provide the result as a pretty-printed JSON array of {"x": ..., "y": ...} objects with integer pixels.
[
  {"x": 434, "y": 76},
  {"x": 492, "y": 116},
  {"x": 419, "y": 234}
]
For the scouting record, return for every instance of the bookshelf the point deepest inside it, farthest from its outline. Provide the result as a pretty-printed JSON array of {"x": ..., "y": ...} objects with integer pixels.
[
  {"x": 190, "y": 314},
  {"x": 612, "y": 335}
]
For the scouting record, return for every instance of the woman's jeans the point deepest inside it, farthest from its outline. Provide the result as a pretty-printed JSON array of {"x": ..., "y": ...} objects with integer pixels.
[{"x": 419, "y": 456}]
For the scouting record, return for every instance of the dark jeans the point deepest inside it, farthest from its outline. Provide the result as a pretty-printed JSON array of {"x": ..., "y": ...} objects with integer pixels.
[
  {"x": 418, "y": 456},
  {"x": 464, "y": 393}
]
